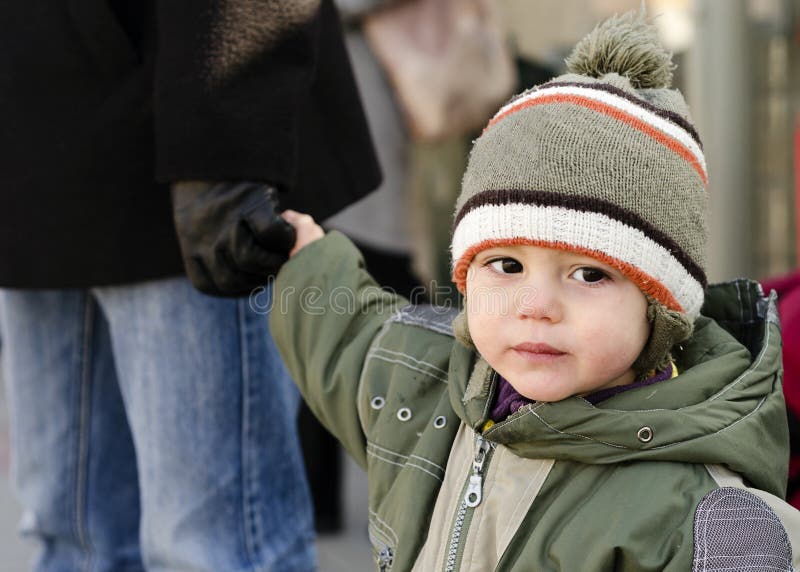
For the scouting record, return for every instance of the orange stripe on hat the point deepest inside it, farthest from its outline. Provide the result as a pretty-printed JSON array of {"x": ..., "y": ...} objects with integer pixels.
[
  {"x": 615, "y": 113},
  {"x": 644, "y": 281}
]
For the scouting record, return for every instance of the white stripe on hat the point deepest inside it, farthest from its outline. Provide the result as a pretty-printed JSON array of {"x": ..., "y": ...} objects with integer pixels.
[
  {"x": 587, "y": 230},
  {"x": 667, "y": 127}
]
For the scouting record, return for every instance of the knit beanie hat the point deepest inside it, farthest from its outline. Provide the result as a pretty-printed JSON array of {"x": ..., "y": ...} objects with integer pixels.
[{"x": 603, "y": 161}]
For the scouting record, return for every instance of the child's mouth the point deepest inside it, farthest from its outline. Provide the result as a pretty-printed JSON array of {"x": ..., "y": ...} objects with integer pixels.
[{"x": 538, "y": 352}]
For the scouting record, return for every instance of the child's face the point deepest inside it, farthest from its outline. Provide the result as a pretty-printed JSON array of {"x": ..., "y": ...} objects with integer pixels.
[{"x": 554, "y": 323}]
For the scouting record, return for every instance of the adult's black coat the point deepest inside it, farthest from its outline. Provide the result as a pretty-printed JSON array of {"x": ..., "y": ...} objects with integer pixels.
[{"x": 103, "y": 103}]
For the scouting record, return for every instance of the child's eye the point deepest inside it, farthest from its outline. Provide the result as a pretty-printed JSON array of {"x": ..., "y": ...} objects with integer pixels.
[
  {"x": 505, "y": 265},
  {"x": 589, "y": 275}
]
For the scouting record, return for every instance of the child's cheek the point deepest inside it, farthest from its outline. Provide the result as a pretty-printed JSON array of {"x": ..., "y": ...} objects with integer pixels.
[
  {"x": 602, "y": 345},
  {"x": 487, "y": 302}
]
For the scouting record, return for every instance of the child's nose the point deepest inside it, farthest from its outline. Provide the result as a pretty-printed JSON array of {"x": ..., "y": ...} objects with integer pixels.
[{"x": 538, "y": 301}]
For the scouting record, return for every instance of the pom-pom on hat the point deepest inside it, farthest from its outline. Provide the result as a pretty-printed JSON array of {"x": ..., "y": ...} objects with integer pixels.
[{"x": 604, "y": 161}]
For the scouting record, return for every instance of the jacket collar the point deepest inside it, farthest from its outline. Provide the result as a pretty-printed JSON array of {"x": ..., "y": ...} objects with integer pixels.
[{"x": 726, "y": 406}]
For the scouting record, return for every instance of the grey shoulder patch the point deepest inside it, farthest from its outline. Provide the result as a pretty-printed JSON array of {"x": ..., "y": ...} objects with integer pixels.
[
  {"x": 736, "y": 530},
  {"x": 436, "y": 318}
]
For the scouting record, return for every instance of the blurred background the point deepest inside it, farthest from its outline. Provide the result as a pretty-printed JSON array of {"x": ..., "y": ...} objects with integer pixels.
[{"x": 738, "y": 65}]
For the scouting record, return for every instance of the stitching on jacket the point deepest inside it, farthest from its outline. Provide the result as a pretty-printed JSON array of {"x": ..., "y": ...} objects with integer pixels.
[
  {"x": 412, "y": 358},
  {"x": 414, "y": 316},
  {"x": 406, "y": 464},
  {"x": 380, "y": 536},
  {"x": 403, "y": 465},
  {"x": 430, "y": 324},
  {"x": 385, "y": 524},
  {"x": 487, "y": 405},
  {"x": 408, "y": 365},
  {"x": 734, "y": 424},
  {"x": 383, "y": 528},
  {"x": 713, "y": 348},
  {"x": 384, "y": 450},
  {"x": 396, "y": 454},
  {"x": 533, "y": 412},
  {"x": 404, "y": 457},
  {"x": 363, "y": 377},
  {"x": 618, "y": 446},
  {"x": 377, "y": 537},
  {"x": 404, "y": 363},
  {"x": 409, "y": 357},
  {"x": 749, "y": 370},
  {"x": 428, "y": 461}
]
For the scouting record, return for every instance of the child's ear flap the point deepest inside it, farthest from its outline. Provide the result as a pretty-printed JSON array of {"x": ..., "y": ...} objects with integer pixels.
[
  {"x": 667, "y": 328},
  {"x": 461, "y": 328}
]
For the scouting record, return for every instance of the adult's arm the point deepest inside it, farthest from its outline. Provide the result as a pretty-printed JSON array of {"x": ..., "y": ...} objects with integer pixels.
[
  {"x": 255, "y": 104},
  {"x": 231, "y": 79}
]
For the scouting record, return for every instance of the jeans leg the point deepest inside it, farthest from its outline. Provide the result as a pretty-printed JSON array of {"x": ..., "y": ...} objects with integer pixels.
[
  {"x": 212, "y": 411},
  {"x": 73, "y": 464}
]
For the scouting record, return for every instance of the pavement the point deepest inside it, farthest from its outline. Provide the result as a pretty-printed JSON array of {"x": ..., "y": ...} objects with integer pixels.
[{"x": 348, "y": 551}]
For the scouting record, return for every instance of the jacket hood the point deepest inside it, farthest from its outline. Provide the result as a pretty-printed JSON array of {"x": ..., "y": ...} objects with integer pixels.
[{"x": 726, "y": 406}]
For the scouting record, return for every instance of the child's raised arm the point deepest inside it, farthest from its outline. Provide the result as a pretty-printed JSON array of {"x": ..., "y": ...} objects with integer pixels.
[
  {"x": 327, "y": 311},
  {"x": 305, "y": 227}
]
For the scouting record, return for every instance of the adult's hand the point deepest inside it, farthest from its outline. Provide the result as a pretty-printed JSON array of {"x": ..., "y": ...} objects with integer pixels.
[{"x": 232, "y": 236}]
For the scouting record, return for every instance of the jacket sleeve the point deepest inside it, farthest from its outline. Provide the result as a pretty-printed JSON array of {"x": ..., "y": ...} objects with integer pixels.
[
  {"x": 326, "y": 312},
  {"x": 230, "y": 80}
]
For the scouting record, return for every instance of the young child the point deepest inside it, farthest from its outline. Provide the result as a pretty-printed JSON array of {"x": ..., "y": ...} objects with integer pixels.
[{"x": 582, "y": 414}]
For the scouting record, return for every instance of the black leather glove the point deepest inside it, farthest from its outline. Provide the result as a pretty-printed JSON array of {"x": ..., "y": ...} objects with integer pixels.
[{"x": 232, "y": 236}]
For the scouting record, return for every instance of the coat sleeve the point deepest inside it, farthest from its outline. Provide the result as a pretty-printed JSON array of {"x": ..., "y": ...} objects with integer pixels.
[
  {"x": 326, "y": 313},
  {"x": 230, "y": 81},
  {"x": 261, "y": 90}
]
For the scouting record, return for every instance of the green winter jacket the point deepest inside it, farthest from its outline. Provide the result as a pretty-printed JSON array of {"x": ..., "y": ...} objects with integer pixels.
[{"x": 654, "y": 478}]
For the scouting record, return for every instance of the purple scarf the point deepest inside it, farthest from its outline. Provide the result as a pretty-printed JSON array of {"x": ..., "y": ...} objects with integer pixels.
[{"x": 509, "y": 400}]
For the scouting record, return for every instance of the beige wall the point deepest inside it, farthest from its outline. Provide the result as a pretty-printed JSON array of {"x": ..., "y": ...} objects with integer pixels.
[
  {"x": 540, "y": 28},
  {"x": 739, "y": 69},
  {"x": 545, "y": 29}
]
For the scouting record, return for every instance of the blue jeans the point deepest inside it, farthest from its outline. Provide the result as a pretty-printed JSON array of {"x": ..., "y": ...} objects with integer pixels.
[{"x": 153, "y": 428}]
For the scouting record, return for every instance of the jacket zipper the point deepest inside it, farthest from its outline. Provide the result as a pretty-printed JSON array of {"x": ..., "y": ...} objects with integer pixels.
[
  {"x": 472, "y": 497},
  {"x": 384, "y": 559},
  {"x": 385, "y": 556}
]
